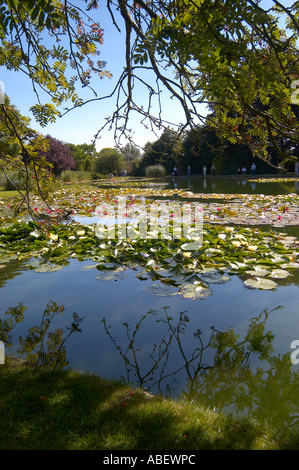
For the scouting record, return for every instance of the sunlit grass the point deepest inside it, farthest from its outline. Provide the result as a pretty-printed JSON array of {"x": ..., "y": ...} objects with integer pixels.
[
  {"x": 44, "y": 409},
  {"x": 4, "y": 193}
]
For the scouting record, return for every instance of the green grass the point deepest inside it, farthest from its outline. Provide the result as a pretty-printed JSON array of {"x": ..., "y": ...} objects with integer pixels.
[
  {"x": 44, "y": 409},
  {"x": 9, "y": 193}
]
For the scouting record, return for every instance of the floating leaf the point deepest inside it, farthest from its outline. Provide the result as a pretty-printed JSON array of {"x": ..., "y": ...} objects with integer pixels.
[
  {"x": 105, "y": 266},
  {"x": 290, "y": 265},
  {"x": 87, "y": 268},
  {"x": 216, "y": 278},
  {"x": 48, "y": 268},
  {"x": 195, "y": 291},
  {"x": 260, "y": 283},
  {"x": 258, "y": 271},
  {"x": 279, "y": 274},
  {"x": 163, "y": 290},
  {"x": 114, "y": 275}
]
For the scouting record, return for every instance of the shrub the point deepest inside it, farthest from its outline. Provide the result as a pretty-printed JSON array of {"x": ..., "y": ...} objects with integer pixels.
[
  {"x": 69, "y": 175},
  {"x": 155, "y": 171},
  {"x": 17, "y": 180}
]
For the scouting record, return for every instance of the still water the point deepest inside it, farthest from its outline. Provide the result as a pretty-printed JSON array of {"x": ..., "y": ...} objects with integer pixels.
[
  {"x": 237, "y": 185},
  {"x": 231, "y": 351}
]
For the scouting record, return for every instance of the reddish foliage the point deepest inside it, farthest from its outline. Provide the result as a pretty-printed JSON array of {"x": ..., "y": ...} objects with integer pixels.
[{"x": 59, "y": 155}]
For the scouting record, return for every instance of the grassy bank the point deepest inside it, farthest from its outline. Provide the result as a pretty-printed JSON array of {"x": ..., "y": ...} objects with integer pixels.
[
  {"x": 4, "y": 193},
  {"x": 48, "y": 409}
]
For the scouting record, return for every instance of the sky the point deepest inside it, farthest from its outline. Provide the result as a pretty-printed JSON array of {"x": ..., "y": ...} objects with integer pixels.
[{"x": 80, "y": 125}]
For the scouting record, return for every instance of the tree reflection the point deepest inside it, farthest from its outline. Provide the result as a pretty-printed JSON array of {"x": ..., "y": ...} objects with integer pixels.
[
  {"x": 232, "y": 374},
  {"x": 40, "y": 346}
]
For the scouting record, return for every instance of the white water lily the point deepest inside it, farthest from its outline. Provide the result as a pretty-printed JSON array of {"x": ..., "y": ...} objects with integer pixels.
[
  {"x": 251, "y": 247},
  {"x": 35, "y": 233},
  {"x": 53, "y": 236},
  {"x": 80, "y": 233},
  {"x": 239, "y": 236}
]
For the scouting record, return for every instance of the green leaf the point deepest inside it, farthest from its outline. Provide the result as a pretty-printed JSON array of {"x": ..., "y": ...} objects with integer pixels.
[{"x": 35, "y": 12}]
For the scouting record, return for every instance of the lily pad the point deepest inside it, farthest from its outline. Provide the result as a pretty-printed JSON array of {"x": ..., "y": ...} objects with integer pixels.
[
  {"x": 260, "y": 283},
  {"x": 279, "y": 274},
  {"x": 163, "y": 290},
  {"x": 115, "y": 275},
  {"x": 216, "y": 278},
  {"x": 48, "y": 268},
  {"x": 195, "y": 291},
  {"x": 88, "y": 268},
  {"x": 258, "y": 271}
]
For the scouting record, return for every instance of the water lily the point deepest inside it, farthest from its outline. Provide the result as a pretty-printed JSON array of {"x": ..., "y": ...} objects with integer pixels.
[
  {"x": 53, "y": 236},
  {"x": 34, "y": 233},
  {"x": 251, "y": 248}
]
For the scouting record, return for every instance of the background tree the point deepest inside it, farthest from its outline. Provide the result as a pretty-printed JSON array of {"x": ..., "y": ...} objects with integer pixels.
[
  {"x": 164, "y": 151},
  {"x": 108, "y": 161},
  {"x": 132, "y": 156},
  {"x": 84, "y": 156},
  {"x": 59, "y": 155},
  {"x": 202, "y": 146}
]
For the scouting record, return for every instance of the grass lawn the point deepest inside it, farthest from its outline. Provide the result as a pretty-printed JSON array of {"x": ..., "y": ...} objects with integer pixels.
[
  {"x": 9, "y": 193},
  {"x": 44, "y": 409}
]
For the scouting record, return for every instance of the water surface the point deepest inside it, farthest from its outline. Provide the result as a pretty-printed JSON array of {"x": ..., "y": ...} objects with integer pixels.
[{"x": 176, "y": 335}]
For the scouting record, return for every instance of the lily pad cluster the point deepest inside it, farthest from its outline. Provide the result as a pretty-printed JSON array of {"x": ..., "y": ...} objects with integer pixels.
[
  {"x": 260, "y": 259},
  {"x": 229, "y": 245},
  {"x": 241, "y": 209}
]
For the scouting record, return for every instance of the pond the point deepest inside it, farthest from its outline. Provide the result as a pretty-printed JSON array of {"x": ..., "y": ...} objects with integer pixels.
[
  {"x": 229, "y": 345},
  {"x": 238, "y": 185}
]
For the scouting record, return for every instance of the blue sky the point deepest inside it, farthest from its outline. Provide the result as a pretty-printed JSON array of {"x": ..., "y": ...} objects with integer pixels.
[{"x": 80, "y": 125}]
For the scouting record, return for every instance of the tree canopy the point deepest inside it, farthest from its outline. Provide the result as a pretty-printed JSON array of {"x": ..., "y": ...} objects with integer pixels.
[
  {"x": 109, "y": 161},
  {"x": 59, "y": 155},
  {"x": 229, "y": 64}
]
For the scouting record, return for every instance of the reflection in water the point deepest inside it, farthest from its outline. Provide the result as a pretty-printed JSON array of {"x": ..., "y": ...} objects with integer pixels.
[
  {"x": 10, "y": 267},
  {"x": 40, "y": 346},
  {"x": 237, "y": 185},
  {"x": 221, "y": 369},
  {"x": 226, "y": 372}
]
